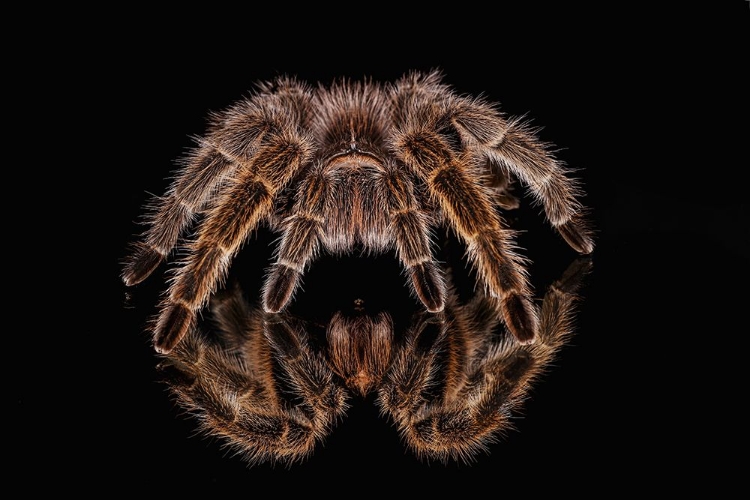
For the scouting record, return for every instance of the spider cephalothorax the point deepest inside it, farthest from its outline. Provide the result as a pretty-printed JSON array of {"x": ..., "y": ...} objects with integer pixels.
[{"x": 355, "y": 165}]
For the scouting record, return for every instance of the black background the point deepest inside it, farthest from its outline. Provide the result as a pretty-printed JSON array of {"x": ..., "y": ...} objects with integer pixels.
[{"x": 650, "y": 104}]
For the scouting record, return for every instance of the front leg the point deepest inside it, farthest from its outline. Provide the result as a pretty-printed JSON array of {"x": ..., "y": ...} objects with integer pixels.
[
  {"x": 240, "y": 208},
  {"x": 468, "y": 209}
]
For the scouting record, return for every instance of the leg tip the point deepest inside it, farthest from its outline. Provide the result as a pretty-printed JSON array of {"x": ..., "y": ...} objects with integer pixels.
[
  {"x": 279, "y": 288},
  {"x": 429, "y": 285},
  {"x": 577, "y": 237},
  {"x": 172, "y": 326},
  {"x": 521, "y": 318},
  {"x": 142, "y": 263}
]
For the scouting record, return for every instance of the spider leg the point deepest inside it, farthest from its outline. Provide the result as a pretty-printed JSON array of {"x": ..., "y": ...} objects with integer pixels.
[
  {"x": 246, "y": 200},
  {"x": 512, "y": 147},
  {"x": 425, "y": 389},
  {"x": 264, "y": 393},
  {"x": 470, "y": 212},
  {"x": 234, "y": 136},
  {"x": 453, "y": 393},
  {"x": 172, "y": 214},
  {"x": 410, "y": 230},
  {"x": 299, "y": 242},
  {"x": 415, "y": 370}
]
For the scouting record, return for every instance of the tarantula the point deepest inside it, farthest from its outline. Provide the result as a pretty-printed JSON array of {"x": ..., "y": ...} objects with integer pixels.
[
  {"x": 355, "y": 167},
  {"x": 358, "y": 169}
]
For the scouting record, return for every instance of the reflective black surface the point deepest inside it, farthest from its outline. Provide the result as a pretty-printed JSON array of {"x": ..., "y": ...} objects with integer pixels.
[{"x": 652, "y": 107}]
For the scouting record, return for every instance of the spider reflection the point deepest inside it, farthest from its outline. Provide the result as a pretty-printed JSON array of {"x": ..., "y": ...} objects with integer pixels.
[{"x": 272, "y": 386}]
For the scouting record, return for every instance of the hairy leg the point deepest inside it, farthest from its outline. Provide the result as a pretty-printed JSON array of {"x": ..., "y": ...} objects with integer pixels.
[
  {"x": 514, "y": 148},
  {"x": 234, "y": 136},
  {"x": 453, "y": 388},
  {"x": 240, "y": 207},
  {"x": 300, "y": 240},
  {"x": 470, "y": 212},
  {"x": 234, "y": 387},
  {"x": 411, "y": 233}
]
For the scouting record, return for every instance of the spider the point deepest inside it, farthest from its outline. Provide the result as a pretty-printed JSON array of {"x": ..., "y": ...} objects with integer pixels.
[{"x": 355, "y": 166}]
